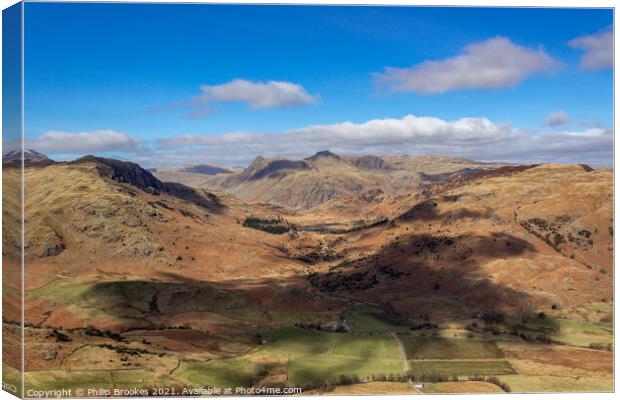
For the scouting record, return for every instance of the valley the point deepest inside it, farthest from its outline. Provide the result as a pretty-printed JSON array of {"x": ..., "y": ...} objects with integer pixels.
[{"x": 333, "y": 274}]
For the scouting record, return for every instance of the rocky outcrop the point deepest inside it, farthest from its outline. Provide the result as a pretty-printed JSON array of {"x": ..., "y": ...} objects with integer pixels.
[
  {"x": 124, "y": 172},
  {"x": 371, "y": 195},
  {"x": 42, "y": 241},
  {"x": 134, "y": 175},
  {"x": 371, "y": 163}
]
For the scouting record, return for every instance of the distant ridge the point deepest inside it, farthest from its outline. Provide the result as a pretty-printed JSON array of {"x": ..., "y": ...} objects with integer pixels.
[
  {"x": 30, "y": 157},
  {"x": 326, "y": 176},
  {"x": 206, "y": 169}
]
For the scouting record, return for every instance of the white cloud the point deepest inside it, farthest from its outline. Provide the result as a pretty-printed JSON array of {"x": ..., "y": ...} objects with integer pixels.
[
  {"x": 407, "y": 129},
  {"x": 350, "y": 136},
  {"x": 491, "y": 64},
  {"x": 598, "y": 50},
  {"x": 83, "y": 142},
  {"x": 557, "y": 118},
  {"x": 587, "y": 133},
  {"x": 258, "y": 95},
  {"x": 474, "y": 138}
]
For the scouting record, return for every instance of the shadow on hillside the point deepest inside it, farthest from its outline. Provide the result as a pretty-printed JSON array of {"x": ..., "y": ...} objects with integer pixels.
[
  {"x": 200, "y": 197},
  {"x": 431, "y": 265},
  {"x": 427, "y": 211},
  {"x": 416, "y": 265},
  {"x": 143, "y": 298}
]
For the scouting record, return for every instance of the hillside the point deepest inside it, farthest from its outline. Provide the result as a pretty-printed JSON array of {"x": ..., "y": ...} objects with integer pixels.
[
  {"x": 133, "y": 279},
  {"x": 325, "y": 176},
  {"x": 530, "y": 239}
]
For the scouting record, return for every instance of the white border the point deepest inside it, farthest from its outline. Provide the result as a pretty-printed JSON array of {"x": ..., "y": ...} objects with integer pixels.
[{"x": 469, "y": 3}]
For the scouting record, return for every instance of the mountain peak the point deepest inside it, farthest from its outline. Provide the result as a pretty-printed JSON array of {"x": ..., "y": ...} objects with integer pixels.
[
  {"x": 30, "y": 157},
  {"x": 323, "y": 154},
  {"x": 257, "y": 160}
]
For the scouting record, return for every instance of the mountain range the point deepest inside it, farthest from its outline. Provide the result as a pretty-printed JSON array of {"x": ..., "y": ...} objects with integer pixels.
[{"x": 325, "y": 176}]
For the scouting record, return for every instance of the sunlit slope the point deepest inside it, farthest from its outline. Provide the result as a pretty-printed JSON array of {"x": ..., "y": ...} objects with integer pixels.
[{"x": 521, "y": 241}]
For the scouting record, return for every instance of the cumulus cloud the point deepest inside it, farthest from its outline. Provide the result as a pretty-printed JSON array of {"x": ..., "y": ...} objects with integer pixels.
[
  {"x": 557, "y": 118},
  {"x": 598, "y": 50},
  {"x": 410, "y": 128},
  {"x": 475, "y": 138},
  {"x": 83, "y": 142},
  {"x": 351, "y": 137},
  {"x": 258, "y": 95},
  {"x": 491, "y": 64}
]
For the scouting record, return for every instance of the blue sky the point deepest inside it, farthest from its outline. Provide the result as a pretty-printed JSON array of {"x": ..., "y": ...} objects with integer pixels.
[
  {"x": 179, "y": 84},
  {"x": 11, "y": 72}
]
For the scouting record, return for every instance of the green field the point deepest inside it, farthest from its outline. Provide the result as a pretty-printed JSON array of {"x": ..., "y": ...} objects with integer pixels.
[
  {"x": 580, "y": 333},
  {"x": 226, "y": 372},
  {"x": 441, "y": 348},
  {"x": 296, "y": 340},
  {"x": 307, "y": 369},
  {"x": 365, "y": 347},
  {"x": 420, "y": 368},
  {"x": 305, "y": 342},
  {"x": 306, "y": 356},
  {"x": 571, "y": 332},
  {"x": 364, "y": 319},
  {"x": 313, "y": 356},
  {"x": 61, "y": 379}
]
